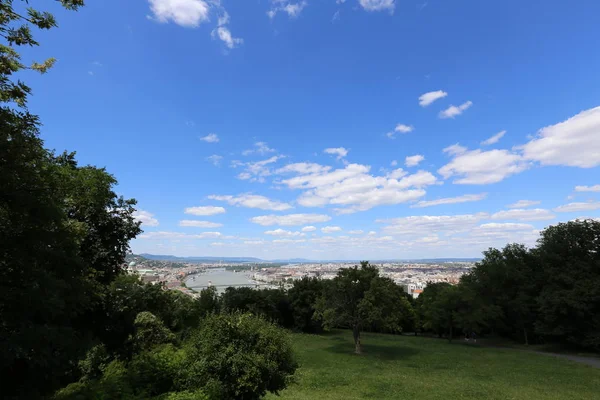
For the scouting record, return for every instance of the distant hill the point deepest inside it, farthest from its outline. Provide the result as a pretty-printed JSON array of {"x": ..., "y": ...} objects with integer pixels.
[{"x": 199, "y": 259}]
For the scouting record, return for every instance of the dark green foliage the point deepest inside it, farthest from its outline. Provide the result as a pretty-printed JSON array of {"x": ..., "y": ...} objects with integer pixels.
[
  {"x": 238, "y": 356},
  {"x": 357, "y": 298},
  {"x": 569, "y": 301},
  {"x": 150, "y": 332},
  {"x": 302, "y": 297},
  {"x": 208, "y": 301},
  {"x": 272, "y": 304}
]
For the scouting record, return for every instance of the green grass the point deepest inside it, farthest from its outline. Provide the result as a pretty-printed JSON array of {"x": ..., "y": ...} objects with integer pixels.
[{"x": 406, "y": 367}]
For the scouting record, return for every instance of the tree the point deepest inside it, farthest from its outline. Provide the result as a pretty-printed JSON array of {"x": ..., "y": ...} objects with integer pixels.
[
  {"x": 359, "y": 297},
  {"x": 237, "y": 356},
  {"x": 424, "y": 305},
  {"x": 569, "y": 300},
  {"x": 505, "y": 284},
  {"x": 303, "y": 296}
]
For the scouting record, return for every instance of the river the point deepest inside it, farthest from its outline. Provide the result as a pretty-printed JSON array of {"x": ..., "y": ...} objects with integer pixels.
[{"x": 220, "y": 278}]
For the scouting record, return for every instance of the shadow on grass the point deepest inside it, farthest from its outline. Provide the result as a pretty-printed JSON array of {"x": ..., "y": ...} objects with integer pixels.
[{"x": 384, "y": 352}]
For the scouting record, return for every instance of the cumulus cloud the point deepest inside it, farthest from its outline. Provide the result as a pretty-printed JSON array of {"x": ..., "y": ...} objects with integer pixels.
[
  {"x": 186, "y": 13},
  {"x": 146, "y": 218},
  {"x": 259, "y": 148},
  {"x": 451, "y": 200},
  {"x": 524, "y": 204},
  {"x": 532, "y": 214},
  {"x": 215, "y": 159},
  {"x": 352, "y": 189},
  {"x": 378, "y": 5},
  {"x": 253, "y": 201},
  {"x": 340, "y": 152},
  {"x": 454, "y": 111},
  {"x": 309, "y": 229},
  {"x": 179, "y": 235},
  {"x": 455, "y": 149},
  {"x": 494, "y": 139},
  {"x": 574, "y": 142},
  {"x": 290, "y": 219},
  {"x": 283, "y": 232},
  {"x": 224, "y": 34},
  {"x": 210, "y": 138},
  {"x": 595, "y": 188},
  {"x": 331, "y": 229},
  {"x": 477, "y": 167},
  {"x": 256, "y": 171},
  {"x": 204, "y": 210},
  {"x": 427, "y": 98},
  {"x": 412, "y": 161},
  {"x": 427, "y": 224},
  {"x": 576, "y": 207},
  {"x": 356, "y": 232},
  {"x": 304, "y": 168},
  {"x": 288, "y": 7},
  {"x": 400, "y": 128},
  {"x": 394, "y": 163},
  {"x": 199, "y": 224}
]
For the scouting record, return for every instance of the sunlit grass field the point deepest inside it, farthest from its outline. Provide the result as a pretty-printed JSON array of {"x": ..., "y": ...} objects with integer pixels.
[{"x": 406, "y": 367}]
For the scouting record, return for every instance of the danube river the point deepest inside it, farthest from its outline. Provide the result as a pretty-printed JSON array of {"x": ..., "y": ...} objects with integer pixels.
[{"x": 219, "y": 278}]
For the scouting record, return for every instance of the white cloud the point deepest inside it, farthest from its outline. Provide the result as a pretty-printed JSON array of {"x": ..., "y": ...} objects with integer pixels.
[
  {"x": 303, "y": 168},
  {"x": 331, "y": 229},
  {"x": 451, "y": 200},
  {"x": 427, "y": 224},
  {"x": 595, "y": 188},
  {"x": 309, "y": 229},
  {"x": 210, "y": 138},
  {"x": 532, "y": 214},
  {"x": 576, "y": 207},
  {"x": 259, "y": 148},
  {"x": 290, "y": 219},
  {"x": 293, "y": 10},
  {"x": 186, "y": 13},
  {"x": 340, "y": 152},
  {"x": 288, "y": 241},
  {"x": 429, "y": 97},
  {"x": 353, "y": 189},
  {"x": 356, "y": 232},
  {"x": 378, "y": 5},
  {"x": 574, "y": 142},
  {"x": 199, "y": 224},
  {"x": 412, "y": 161},
  {"x": 283, "y": 232},
  {"x": 394, "y": 163},
  {"x": 494, "y": 139},
  {"x": 400, "y": 128},
  {"x": 256, "y": 171},
  {"x": 253, "y": 201},
  {"x": 478, "y": 167},
  {"x": 454, "y": 111},
  {"x": 204, "y": 210},
  {"x": 146, "y": 218},
  {"x": 372, "y": 233},
  {"x": 224, "y": 34},
  {"x": 179, "y": 235},
  {"x": 215, "y": 159},
  {"x": 524, "y": 204},
  {"x": 455, "y": 149}
]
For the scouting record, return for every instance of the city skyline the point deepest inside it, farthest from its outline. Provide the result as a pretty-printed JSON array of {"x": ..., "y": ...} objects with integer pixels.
[{"x": 357, "y": 129}]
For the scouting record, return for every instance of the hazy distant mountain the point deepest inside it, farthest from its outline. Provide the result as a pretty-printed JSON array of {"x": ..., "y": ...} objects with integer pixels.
[{"x": 198, "y": 259}]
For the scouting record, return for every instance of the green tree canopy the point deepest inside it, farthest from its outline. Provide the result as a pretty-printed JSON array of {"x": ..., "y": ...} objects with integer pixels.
[{"x": 358, "y": 297}]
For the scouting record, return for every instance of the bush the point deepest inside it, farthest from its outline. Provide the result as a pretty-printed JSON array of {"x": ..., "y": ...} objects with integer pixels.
[{"x": 237, "y": 356}]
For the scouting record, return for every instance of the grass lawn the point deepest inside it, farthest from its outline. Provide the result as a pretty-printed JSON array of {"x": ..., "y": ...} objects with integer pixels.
[{"x": 406, "y": 367}]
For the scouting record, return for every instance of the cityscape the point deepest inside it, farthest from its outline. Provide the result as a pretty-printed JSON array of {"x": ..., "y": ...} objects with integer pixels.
[{"x": 191, "y": 277}]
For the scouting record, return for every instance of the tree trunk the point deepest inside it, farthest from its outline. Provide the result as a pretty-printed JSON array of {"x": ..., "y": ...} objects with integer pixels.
[
  {"x": 451, "y": 333},
  {"x": 526, "y": 338},
  {"x": 357, "y": 346}
]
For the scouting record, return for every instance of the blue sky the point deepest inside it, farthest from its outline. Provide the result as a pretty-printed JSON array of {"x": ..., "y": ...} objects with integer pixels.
[{"x": 332, "y": 129}]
